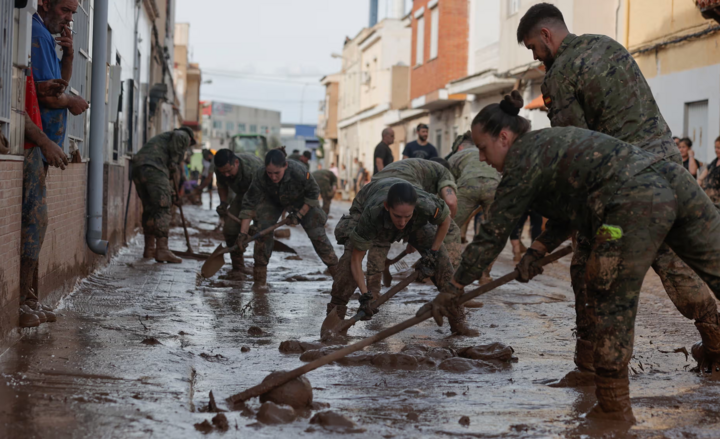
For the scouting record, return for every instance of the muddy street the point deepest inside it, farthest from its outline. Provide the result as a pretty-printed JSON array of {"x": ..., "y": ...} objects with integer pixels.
[{"x": 139, "y": 346}]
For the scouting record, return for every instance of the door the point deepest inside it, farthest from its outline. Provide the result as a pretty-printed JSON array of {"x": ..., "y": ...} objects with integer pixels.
[{"x": 696, "y": 128}]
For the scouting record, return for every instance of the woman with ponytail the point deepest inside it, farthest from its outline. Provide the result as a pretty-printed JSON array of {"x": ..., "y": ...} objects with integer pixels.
[{"x": 624, "y": 201}]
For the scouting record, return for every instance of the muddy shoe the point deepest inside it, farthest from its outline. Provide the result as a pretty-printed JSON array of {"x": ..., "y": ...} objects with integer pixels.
[
  {"x": 238, "y": 263},
  {"x": 40, "y": 315},
  {"x": 51, "y": 317},
  {"x": 707, "y": 351},
  {"x": 613, "y": 395},
  {"x": 259, "y": 278},
  {"x": 163, "y": 253},
  {"x": 149, "y": 251},
  {"x": 28, "y": 320}
]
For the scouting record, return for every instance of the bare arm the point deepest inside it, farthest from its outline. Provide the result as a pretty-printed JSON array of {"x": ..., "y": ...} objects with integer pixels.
[
  {"x": 441, "y": 233},
  {"x": 244, "y": 225},
  {"x": 450, "y": 198},
  {"x": 692, "y": 164},
  {"x": 65, "y": 41},
  {"x": 223, "y": 193},
  {"x": 380, "y": 164},
  {"x": 54, "y": 155},
  {"x": 356, "y": 269},
  {"x": 703, "y": 176}
]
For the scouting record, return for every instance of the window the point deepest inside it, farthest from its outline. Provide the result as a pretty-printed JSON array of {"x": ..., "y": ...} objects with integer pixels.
[
  {"x": 263, "y": 130},
  {"x": 241, "y": 128},
  {"x": 434, "y": 31},
  {"x": 253, "y": 129},
  {"x": 217, "y": 124},
  {"x": 229, "y": 126},
  {"x": 420, "y": 47},
  {"x": 438, "y": 140},
  {"x": 513, "y": 6}
]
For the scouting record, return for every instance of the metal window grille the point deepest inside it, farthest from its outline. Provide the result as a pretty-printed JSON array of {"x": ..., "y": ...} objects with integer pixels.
[
  {"x": 79, "y": 80},
  {"x": 6, "y": 51}
]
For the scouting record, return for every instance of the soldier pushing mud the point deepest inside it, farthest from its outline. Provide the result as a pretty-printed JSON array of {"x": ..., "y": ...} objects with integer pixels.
[{"x": 328, "y": 182}]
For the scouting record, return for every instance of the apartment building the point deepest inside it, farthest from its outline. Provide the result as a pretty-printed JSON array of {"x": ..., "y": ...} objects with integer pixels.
[
  {"x": 187, "y": 77},
  {"x": 327, "y": 127}
]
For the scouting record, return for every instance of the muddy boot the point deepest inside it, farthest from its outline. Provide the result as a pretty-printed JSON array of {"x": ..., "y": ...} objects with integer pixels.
[
  {"x": 613, "y": 400},
  {"x": 28, "y": 320},
  {"x": 707, "y": 351},
  {"x": 459, "y": 325},
  {"x": 149, "y": 251},
  {"x": 163, "y": 253},
  {"x": 259, "y": 278},
  {"x": 341, "y": 310},
  {"x": 584, "y": 375},
  {"x": 40, "y": 315},
  {"x": 238, "y": 271}
]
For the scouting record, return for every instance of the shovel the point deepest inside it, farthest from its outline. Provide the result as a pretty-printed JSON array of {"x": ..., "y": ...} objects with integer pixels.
[
  {"x": 332, "y": 325},
  {"x": 277, "y": 245},
  {"x": 216, "y": 259},
  {"x": 386, "y": 276},
  {"x": 279, "y": 380}
]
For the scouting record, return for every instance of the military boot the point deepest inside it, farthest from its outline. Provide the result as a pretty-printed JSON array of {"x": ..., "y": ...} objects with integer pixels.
[
  {"x": 458, "y": 323},
  {"x": 707, "y": 351},
  {"x": 584, "y": 374},
  {"x": 259, "y": 277},
  {"x": 341, "y": 310},
  {"x": 613, "y": 400},
  {"x": 40, "y": 315},
  {"x": 238, "y": 271},
  {"x": 149, "y": 251},
  {"x": 163, "y": 253},
  {"x": 28, "y": 319}
]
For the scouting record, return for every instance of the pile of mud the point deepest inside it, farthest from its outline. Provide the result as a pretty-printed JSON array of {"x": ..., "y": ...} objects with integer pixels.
[{"x": 489, "y": 358}]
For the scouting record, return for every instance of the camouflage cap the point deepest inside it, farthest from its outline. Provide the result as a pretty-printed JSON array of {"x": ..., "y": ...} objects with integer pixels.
[{"x": 190, "y": 133}]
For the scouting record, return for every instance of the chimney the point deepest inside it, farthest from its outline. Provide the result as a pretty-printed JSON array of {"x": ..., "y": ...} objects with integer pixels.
[{"x": 373, "y": 12}]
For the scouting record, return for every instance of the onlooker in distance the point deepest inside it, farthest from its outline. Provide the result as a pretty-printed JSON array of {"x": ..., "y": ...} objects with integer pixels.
[
  {"x": 677, "y": 141},
  {"x": 303, "y": 158},
  {"x": 710, "y": 178},
  {"x": 688, "y": 156},
  {"x": 334, "y": 169},
  {"x": 354, "y": 170},
  {"x": 420, "y": 148},
  {"x": 383, "y": 155}
]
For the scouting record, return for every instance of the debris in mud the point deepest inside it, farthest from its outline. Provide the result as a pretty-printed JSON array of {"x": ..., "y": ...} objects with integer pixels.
[
  {"x": 491, "y": 352},
  {"x": 255, "y": 331},
  {"x": 464, "y": 421},
  {"x": 271, "y": 413},
  {"x": 213, "y": 358},
  {"x": 319, "y": 405},
  {"x": 282, "y": 233},
  {"x": 681, "y": 350},
  {"x": 220, "y": 422},
  {"x": 296, "y": 393},
  {"x": 412, "y": 416},
  {"x": 460, "y": 365},
  {"x": 395, "y": 361},
  {"x": 473, "y": 304},
  {"x": 245, "y": 349},
  {"x": 204, "y": 427},
  {"x": 293, "y": 258},
  {"x": 298, "y": 278},
  {"x": 151, "y": 341},
  {"x": 450, "y": 394},
  {"x": 297, "y": 346},
  {"x": 211, "y": 407},
  {"x": 334, "y": 421}
]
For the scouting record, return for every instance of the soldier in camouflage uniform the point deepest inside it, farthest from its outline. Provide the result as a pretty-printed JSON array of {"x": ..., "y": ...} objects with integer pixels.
[
  {"x": 373, "y": 225},
  {"x": 625, "y": 200},
  {"x": 593, "y": 82},
  {"x": 155, "y": 174},
  {"x": 234, "y": 172},
  {"x": 434, "y": 178},
  {"x": 284, "y": 184},
  {"x": 327, "y": 181},
  {"x": 303, "y": 158},
  {"x": 476, "y": 182}
]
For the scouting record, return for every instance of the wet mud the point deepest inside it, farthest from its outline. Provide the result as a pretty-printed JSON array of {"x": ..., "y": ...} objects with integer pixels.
[
  {"x": 297, "y": 393},
  {"x": 90, "y": 374}
]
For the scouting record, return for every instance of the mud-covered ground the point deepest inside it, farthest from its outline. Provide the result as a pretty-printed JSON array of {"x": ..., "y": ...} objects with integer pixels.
[{"x": 139, "y": 345}]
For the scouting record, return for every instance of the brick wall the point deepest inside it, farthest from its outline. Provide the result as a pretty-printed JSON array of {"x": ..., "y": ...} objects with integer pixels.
[
  {"x": 116, "y": 185},
  {"x": 10, "y": 204},
  {"x": 451, "y": 62}
]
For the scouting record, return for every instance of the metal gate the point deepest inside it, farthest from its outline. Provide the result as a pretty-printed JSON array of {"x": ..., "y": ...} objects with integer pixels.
[{"x": 6, "y": 51}]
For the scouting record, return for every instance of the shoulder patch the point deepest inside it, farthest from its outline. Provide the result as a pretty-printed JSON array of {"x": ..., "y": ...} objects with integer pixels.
[
  {"x": 307, "y": 177},
  {"x": 437, "y": 210},
  {"x": 547, "y": 100}
]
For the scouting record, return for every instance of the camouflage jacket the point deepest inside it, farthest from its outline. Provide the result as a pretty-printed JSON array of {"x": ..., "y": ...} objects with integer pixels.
[
  {"x": 325, "y": 179},
  {"x": 429, "y": 176},
  {"x": 240, "y": 183},
  {"x": 467, "y": 164},
  {"x": 296, "y": 157},
  {"x": 595, "y": 83},
  {"x": 296, "y": 188},
  {"x": 373, "y": 220},
  {"x": 164, "y": 151},
  {"x": 568, "y": 175}
]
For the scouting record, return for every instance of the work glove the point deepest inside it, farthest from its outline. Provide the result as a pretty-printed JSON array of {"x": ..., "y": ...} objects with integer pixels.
[
  {"x": 242, "y": 241},
  {"x": 442, "y": 304},
  {"x": 294, "y": 218},
  {"x": 365, "y": 300},
  {"x": 528, "y": 267},
  {"x": 222, "y": 209},
  {"x": 427, "y": 265}
]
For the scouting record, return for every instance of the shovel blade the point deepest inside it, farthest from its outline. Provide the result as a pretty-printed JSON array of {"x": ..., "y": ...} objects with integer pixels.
[
  {"x": 331, "y": 322},
  {"x": 214, "y": 263},
  {"x": 283, "y": 248}
]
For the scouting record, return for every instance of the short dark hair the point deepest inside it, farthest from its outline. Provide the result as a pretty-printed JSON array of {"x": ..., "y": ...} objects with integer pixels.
[
  {"x": 676, "y": 138},
  {"x": 421, "y": 126},
  {"x": 223, "y": 157},
  {"x": 541, "y": 13},
  {"x": 401, "y": 193},
  {"x": 687, "y": 141},
  {"x": 441, "y": 160},
  {"x": 276, "y": 157},
  {"x": 296, "y": 151},
  {"x": 307, "y": 155}
]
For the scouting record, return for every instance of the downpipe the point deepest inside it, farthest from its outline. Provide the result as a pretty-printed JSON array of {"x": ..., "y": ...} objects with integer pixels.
[{"x": 97, "y": 131}]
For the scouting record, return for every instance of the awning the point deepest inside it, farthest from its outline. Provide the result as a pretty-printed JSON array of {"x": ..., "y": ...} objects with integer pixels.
[{"x": 537, "y": 104}]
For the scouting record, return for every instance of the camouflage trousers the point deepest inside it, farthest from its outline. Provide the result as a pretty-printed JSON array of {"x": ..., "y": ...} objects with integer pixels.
[
  {"x": 663, "y": 205},
  {"x": 327, "y": 197},
  {"x": 34, "y": 217},
  {"x": 267, "y": 214},
  {"x": 453, "y": 244},
  {"x": 344, "y": 284},
  {"x": 473, "y": 193},
  {"x": 154, "y": 189}
]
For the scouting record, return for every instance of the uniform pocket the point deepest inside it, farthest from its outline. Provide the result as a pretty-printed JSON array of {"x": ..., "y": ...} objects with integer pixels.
[{"x": 604, "y": 265}]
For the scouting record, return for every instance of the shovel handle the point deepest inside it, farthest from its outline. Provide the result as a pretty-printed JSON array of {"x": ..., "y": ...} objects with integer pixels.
[
  {"x": 233, "y": 217},
  {"x": 284, "y": 378},
  {"x": 259, "y": 234},
  {"x": 396, "y": 259}
]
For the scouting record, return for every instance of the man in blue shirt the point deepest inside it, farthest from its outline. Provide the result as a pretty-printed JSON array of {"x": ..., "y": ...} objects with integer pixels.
[{"x": 421, "y": 148}]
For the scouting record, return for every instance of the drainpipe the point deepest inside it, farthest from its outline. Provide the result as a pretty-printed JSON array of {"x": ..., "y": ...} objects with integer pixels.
[{"x": 97, "y": 130}]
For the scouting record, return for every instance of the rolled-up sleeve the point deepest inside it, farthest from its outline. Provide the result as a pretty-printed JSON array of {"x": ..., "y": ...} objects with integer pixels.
[{"x": 364, "y": 233}]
